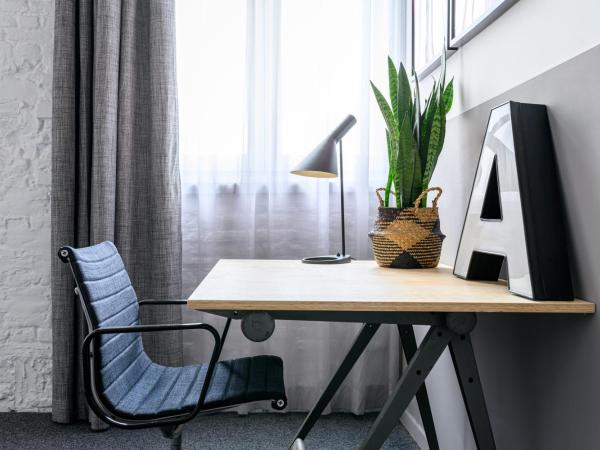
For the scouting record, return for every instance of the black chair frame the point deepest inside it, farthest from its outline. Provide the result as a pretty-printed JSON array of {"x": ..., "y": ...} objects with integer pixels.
[{"x": 170, "y": 424}]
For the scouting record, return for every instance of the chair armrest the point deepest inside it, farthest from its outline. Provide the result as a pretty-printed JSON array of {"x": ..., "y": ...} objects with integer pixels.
[
  {"x": 88, "y": 354},
  {"x": 155, "y": 327},
  {"x": 161, "y": 302}
]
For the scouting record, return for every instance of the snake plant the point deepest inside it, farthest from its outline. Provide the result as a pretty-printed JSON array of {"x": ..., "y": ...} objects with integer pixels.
[{"x": 415, "y": 136}]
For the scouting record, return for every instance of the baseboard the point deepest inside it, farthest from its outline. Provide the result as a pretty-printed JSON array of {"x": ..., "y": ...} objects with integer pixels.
[{"x": 415, "y": 429}]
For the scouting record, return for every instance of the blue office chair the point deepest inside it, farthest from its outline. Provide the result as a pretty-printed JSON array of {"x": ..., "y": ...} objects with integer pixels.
[{"x": 123, "y": 386}]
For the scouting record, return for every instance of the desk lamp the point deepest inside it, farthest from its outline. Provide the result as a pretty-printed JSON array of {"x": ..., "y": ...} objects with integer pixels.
[{"x": 322, "y": 163}]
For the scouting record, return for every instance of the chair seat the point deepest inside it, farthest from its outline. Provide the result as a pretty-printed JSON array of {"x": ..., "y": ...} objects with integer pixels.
[{"x": 165, "y": 390}]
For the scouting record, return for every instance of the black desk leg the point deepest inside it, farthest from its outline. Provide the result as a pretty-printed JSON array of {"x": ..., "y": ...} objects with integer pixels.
[
  {"x": 408, "y": 342},
  {"x": 465, "y": 366},
  {"x": 357, "y": 348},
  {"x": 412, "y": 379}
]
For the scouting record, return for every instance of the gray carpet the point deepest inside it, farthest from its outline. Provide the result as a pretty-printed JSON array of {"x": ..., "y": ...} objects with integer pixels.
[{"x": 224, "y": 431}]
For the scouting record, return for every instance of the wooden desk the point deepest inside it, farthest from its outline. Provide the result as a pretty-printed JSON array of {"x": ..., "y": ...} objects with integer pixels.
[
  {"x": 271, "y": 285},
  {"x": 364, "y": 293}
]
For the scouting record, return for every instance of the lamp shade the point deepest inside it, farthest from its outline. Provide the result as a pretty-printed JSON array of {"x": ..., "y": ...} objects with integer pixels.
[{"x": 321, "y": 162}]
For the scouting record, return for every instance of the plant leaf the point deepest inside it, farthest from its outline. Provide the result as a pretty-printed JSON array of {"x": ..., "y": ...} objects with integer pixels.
[
  {"x": 405, "y": 103},
  {"x": 391, "y": 170},
  {"x": 394, "y": 176},
  {"x": 431, "y": 96},
  {"x": 388, "y": 190},
  {"x": 448, "y": 95},
  {"x": 442, "y": 99},
  {"x": 436, "y": 142},
  {"x": 417, "y": 115},
  {"x": 439, "y": 148},
  {"x": 443, "y": 68},
  {"x": 393, "y": 85},
  {"x": 440, "y": 143},
  {"x": 417, "y": 179},
  {"x": 392, "y": 136},
  {"x": 427, "y": 120},
  {"x": 408, "y": 160},
  {"x": 386, "y": 111},
  {"x": 397, "y": 188}
]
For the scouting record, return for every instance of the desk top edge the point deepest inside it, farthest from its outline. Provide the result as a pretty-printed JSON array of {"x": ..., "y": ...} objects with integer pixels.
[
  {"x": 538, "y": 307},
  {"x": 210, "y": 295}
]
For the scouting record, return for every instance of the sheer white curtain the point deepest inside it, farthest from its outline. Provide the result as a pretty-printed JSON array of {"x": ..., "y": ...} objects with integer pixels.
[
  {"x": 261, "y": 82},
  {"x": 430, "y": 29}
]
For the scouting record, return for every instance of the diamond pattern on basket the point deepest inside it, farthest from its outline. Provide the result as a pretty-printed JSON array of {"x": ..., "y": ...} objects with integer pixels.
[{"x": 406, "y": 233}]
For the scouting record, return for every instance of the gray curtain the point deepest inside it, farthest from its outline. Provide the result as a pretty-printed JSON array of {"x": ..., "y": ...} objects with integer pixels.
[{"x": 115, "y": 171}]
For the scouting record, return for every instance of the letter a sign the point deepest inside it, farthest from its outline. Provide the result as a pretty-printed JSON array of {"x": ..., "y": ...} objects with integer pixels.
[{"x": 515, "y": 213}]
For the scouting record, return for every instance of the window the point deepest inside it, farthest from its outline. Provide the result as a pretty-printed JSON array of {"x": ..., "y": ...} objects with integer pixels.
[
  {"x": 468, "y": 12},
  {"x": 430, "y": 31},
  {"x": 450, "y": 23}
]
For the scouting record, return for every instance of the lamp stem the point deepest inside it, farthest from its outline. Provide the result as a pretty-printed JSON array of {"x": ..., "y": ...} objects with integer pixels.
[{"x": 342, "y": 200}]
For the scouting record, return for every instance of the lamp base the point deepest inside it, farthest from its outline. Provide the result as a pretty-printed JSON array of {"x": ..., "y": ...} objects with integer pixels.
[{"x": 328, "y": 259}]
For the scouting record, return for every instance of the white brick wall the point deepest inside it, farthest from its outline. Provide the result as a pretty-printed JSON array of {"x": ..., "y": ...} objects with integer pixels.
[{"x": 25, "y": 138}]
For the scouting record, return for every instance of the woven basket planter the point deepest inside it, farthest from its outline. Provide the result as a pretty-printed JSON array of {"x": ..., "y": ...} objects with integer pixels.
[{"x": 408, "y": 238}]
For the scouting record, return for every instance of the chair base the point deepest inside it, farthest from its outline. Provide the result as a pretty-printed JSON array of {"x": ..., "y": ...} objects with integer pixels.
[
  {"x": 176, "y": 442},
  {"x": 174, "y": 433}
]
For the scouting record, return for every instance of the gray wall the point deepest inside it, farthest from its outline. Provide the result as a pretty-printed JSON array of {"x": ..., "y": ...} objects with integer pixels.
[{"x": 541, "y": 374}]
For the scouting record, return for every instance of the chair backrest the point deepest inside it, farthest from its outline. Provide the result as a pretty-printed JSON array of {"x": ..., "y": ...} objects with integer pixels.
[{"x": 109, "y": 300}]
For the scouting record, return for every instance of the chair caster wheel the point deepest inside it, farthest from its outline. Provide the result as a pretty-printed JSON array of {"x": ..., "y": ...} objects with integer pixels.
[{"x": 279, "y": 405}]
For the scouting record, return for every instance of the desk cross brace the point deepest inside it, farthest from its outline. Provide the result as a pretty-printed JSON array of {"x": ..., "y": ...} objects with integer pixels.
[
  {"x": 454, "y": 334},
  {"x": 408, "y": 344}
]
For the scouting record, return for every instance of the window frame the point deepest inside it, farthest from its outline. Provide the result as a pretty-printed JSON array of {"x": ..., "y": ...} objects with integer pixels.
[{"x": 454, "y": 41}]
